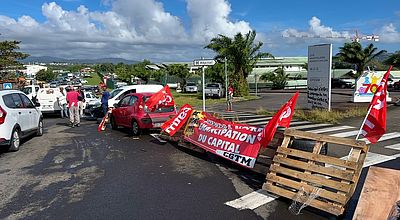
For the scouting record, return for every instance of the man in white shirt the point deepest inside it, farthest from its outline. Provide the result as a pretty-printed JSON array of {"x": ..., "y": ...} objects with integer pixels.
[{"x": 62, "y": 102}]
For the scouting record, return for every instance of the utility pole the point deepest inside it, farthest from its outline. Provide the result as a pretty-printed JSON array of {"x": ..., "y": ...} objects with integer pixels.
[{"x": 255, "y": 75}]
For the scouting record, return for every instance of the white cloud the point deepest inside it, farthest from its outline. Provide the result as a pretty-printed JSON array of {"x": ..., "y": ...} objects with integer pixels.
[
  {"x": 315, "y": 30},
  {"x": 133, "y": 29},
  {"x": 389, "y": 34}
]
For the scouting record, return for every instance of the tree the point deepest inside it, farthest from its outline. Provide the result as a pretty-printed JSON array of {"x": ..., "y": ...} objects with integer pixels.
[
  {"x": 181, "y": 71},
  {"x": 9, "y": 58},
  {"x": 46, "y": 75},
  {"x": 216, "y": 73},
  {"x": 355, "y": 54},
  {"x": 242, "y": 52},
  {"x": 278, "y": 78},
  {"x": 393, "y": 59},
  {"x": 140, "y": 70}
]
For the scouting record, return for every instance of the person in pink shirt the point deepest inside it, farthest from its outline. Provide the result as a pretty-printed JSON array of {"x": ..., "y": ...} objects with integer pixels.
[{"x": 73, "y": 105}]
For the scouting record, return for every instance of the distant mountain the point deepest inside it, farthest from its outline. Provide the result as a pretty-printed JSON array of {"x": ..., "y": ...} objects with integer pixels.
[{"x": 49, "y": 59}]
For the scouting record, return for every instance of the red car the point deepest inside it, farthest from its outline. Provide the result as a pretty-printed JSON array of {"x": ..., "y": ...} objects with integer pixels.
[{"x": 131, "y": 113}]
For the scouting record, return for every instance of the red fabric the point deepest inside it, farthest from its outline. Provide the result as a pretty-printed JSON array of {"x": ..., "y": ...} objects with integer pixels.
[
  {"x": 230, "y": 90},
  {"x": 174, "y": 124},
  {"x": 72, "y": 98},
  {"x": 162, "y": 98},
  {"x": 375, "y": 125},
  {"x": 282, "y": 118}
]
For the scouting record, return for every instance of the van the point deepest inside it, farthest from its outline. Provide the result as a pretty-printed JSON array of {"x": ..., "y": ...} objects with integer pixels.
[
  {"x": 47, "y": 97},
  {"x": 31, "y": 91},
  {"x": 119, "y": 93}
]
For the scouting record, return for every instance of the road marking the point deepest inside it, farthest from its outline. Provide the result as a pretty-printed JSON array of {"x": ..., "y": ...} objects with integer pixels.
[
  {"x": 256, "y": 119},
  {"x": 324, "y": 130},
  {"x": 346, "y": 134},
  {"x": 394, "y": 147},
  {"x": 374, "y": 158},
  {"x": 252, "y": 200},
  {"x": 384, "y": 137},
  {"x": 309, "y": 126}
]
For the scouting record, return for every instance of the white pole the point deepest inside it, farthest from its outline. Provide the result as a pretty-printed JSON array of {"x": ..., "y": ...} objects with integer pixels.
[
  {"x": 226, "y": 80},
  {"x": 204, "y": 92},
  {"x": 256, "y": 82},
  {"x": 365, "y": 119}
]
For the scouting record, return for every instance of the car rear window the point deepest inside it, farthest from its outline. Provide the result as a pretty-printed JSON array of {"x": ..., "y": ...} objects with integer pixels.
[
  {"x": 158, "y": 110},
  {"x": 13, "y": 101},
  {"x": 191, "y": 84},
  {"x": 213, "y": 85}
]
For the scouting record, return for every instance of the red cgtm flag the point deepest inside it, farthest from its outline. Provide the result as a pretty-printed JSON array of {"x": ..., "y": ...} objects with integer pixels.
[
  {"x": 375, "y": 124},
  {"x": 162, "y": 98},
  {"x": 282, "y": 118}
]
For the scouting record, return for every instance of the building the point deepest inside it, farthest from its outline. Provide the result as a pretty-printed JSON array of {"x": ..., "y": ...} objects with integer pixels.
[{"x": 31, "y": 70}]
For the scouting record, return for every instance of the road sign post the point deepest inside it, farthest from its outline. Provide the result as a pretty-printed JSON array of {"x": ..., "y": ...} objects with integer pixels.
[{"x": 203, "y": 63}]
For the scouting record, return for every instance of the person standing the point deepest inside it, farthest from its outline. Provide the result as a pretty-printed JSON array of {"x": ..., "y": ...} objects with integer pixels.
[
  {"x": 62, "y": 102},
  {"x": 104, "y": 100},
  {"x": 81, "y": 99},
  {"x": 230, "y": 97},
  {"x": 73, "y": 104}
]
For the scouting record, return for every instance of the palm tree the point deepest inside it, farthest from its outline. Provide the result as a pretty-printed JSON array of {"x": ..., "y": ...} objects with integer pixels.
[
  {"x": 278, "y": 78},
  {"x": 242, "y": 52},
  {"x": 354, "y": 53},
  {"x": 393, "y": 59}
]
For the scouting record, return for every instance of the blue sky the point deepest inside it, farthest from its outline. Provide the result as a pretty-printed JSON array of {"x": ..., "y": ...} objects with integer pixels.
[{"x": 153, "y": 29}]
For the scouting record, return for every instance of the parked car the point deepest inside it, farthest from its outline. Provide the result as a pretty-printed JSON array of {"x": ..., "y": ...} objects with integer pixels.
[
  {"x": 130, "y": 112},
  {"x": 19, "y": 118},
  {"x": 190, "y": 87},
  {"x": 340, "y": 83},
  {"x": 214, "y": 90},
  {"x": 396, "y": 85}
]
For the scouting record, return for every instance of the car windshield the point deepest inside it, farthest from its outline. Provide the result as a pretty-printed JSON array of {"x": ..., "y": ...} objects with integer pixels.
[
  {"x": 27, "y": 90},
  {"x": 212, "y": 85},
  {"x": 191, "y": 84},
  {"x": 158, "y": 110},
  {"x": 114, "y": 93}
]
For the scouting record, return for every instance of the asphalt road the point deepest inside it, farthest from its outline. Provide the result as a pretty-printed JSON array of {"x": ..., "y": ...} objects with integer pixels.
[{"x": 78, "y": 173}]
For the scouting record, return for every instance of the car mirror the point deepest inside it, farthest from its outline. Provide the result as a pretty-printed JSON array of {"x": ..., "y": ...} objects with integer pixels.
[
  {"x": 37, "y": 104},
  {"x": 116, "y": 105}
]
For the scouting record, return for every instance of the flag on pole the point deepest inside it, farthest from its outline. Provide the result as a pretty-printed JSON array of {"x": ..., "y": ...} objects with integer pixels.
[
  {"x": 282, "y": 118},
  {"x": 162, "y": 98},
  {"x": 374, "y": 125}
]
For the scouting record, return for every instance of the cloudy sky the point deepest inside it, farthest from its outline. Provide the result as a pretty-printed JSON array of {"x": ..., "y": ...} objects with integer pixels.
[{"x": 177, "y": 30}]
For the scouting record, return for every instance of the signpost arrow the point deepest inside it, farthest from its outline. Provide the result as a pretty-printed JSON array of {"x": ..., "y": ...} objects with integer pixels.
[{"x": 204, "y": 62}]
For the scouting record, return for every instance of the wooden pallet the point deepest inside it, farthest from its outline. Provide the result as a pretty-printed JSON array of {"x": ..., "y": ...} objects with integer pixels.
[{"x": 337, "y": 178}]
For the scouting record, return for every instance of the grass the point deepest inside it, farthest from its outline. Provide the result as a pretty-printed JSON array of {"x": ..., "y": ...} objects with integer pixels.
[
  {"x": 94, "y": 79},
  {"x": 322, "y": 116},
  {"x": 195, "y": 99}
]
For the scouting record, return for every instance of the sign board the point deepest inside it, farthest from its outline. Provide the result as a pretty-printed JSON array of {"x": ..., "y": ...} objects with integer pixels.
[
  {"x": 204, "y": 62},
  {"x": 319, "y": 76},
  {"x": 366, "y": 86},
  {"x": 7, "y": 86}
]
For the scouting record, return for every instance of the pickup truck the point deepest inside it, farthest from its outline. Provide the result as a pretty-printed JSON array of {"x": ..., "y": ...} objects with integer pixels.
[{"x": 214, "y": 90}]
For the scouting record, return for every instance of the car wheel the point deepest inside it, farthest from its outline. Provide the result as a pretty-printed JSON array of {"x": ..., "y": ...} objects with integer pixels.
[
  {"x": 40, "y": 128},
  {"x": 135, "y": 128},
  {"x": 114, "y": 125},
  {"x": 15, "y": 140}
]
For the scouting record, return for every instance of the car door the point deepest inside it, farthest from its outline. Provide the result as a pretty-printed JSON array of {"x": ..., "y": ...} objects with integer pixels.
[
  {"x": 120, "y": 115},
  {"x": 130, "y": 112},
  {"x": 33, "y": 114},
  {"x": 23, "y": 113}
]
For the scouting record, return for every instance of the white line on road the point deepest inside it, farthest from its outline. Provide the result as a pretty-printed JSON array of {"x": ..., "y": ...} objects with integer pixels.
[
  {"x": 394, "y": 147},
  {"x": 324, "y": 130},
  {"x": 256, "y": 119},
  {"x": 252, "y": 200},
  {"x": 374, "y": 158},
  {"x": 309, "y": 126},
  {"x": 384, "y": 137},
  {"x": 345, "y": 134}
]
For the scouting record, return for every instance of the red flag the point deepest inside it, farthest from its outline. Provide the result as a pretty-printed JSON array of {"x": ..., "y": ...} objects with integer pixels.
[
  {"x": 162, "y": 98},
  {"x": 281, "y": 118},
  {"x": 174, "y": 124},
  {"x": 375, "y": 124}
]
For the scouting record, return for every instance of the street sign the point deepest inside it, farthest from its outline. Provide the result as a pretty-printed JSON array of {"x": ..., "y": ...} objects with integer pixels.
[
  {"x": 204, "y": 62},
  {"x": 7, "y": 85}
]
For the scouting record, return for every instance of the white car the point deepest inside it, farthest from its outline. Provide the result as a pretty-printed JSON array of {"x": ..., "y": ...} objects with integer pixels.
[
  {"x": 190, "y": 87},
  {"x": 117, "y": 94},
  {"x": 90, "y": 98},
  {"x": 18, "y": 118}
]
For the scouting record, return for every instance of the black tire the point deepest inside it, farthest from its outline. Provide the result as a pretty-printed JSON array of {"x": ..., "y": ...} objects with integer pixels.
[
  {"x": 114, "y": 125},
  {"x": 15, "y": 140},
  {"x": 135, "y": 128},
  {"x": 40, "y": 131}
]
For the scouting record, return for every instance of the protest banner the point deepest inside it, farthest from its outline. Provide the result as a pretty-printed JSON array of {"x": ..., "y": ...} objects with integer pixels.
[{"x": 174, "y": 124}]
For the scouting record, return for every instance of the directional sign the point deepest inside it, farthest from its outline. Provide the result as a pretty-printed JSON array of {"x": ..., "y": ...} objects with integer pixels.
[
  {"x": 7, "y": 85},
  {"x": 204, "y": 62}
]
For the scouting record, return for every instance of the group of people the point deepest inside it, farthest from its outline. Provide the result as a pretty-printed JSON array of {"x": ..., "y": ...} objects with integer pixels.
[{"x": 71, "y": 102}]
